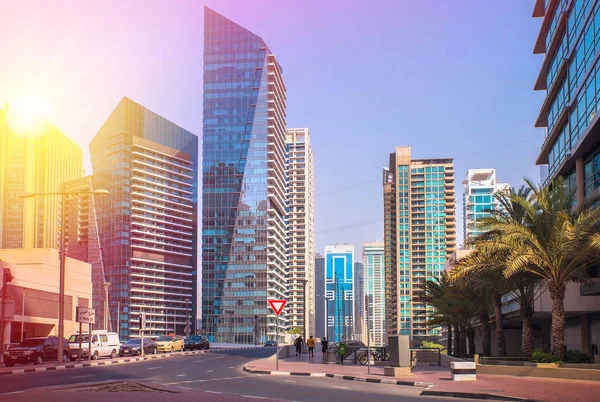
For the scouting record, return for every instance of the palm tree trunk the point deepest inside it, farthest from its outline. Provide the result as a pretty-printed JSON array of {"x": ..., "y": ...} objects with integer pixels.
[
  {"x": 527, "y": 332},
  {"x": 499, "y": 327},
  {"x": 449, "y": 340},
  {"x": 557, "y": 294},
  {"x": 456, "y": 340},
  {"x": 471, "y": 338},
  {"x": 463, "y": 341},
  {"x": 484, "y": 320}
]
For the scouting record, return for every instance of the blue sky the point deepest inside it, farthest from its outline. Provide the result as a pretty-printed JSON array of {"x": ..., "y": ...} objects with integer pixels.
[{"x": 448, "y": 78}]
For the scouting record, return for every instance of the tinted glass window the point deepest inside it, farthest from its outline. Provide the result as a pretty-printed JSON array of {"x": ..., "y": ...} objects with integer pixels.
[
  {"x": 54, "y": 341},
  {"x": 103, "y": 338},
  {"x": 32, "y": 342}
]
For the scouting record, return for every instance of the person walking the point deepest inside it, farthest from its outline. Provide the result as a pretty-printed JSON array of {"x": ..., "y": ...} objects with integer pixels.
[
  {"x": 298, "y": 344},
  {"x": 310, "y": 342},
  {"x": 324, "y": 346}
]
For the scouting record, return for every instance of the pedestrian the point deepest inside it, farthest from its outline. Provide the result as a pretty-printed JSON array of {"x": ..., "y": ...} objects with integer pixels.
[
  {"x": 310, "y": 342},
  {"x": 298, "y": 344},
  {"x": 324, "y": 345}
]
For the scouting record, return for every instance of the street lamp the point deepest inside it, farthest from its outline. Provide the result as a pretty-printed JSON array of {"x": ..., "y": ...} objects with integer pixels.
[
  {"x": 106, "y": 312},
  {"x": 304, "y": 282},
  {"x": 327, "y": 315},
  {"x": 64, "y": 196}
]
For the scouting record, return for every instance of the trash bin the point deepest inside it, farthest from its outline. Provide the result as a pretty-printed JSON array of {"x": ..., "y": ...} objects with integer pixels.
[{"x": 331, "y": 356}]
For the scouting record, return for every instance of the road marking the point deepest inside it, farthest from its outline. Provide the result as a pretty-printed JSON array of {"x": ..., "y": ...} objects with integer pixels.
[
  {"x": 184, "y": 387},
  {"x": 181, "y": 375},
  {"x": 154, "y": 368},
  {"x": 204, "y": 380},
  {"x": 198, "y": 361},
  {"x": 82, "y": 376},
  {"x": 210, "y": 371},
  {"x": 341, "y": 387},
  {"x": 14, "y": 392},
  {"x": 253, "y": 397},
  {"x": 289, "y": 381},
  {"x": 214, "y": 392},
  {"x": 231, "y": 367}
]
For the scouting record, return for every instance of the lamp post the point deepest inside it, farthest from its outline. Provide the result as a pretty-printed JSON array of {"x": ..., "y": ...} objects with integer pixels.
[
  {"x": 327, "y": 299},
  {"x": 64, "y": 196},
  {"x": 304, "y": 282},
  {"x": 187, "y": 318},
  {"x": 106, "y": 312}
]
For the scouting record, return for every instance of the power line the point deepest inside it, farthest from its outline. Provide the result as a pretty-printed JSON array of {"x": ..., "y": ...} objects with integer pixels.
[{"x": 349, "y": 226}]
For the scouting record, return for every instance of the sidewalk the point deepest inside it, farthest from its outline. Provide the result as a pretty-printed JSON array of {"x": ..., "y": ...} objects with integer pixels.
[{"x": 529, "y": 388}]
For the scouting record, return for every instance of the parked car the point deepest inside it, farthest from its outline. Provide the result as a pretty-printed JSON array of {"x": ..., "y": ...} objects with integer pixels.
[
  {"x": 270, "y": 344},
  {"x": 104, "y": 344},
  {"x": 169, "y": 343},
  {"x": 36, "y": 351},
  {"x": 132, "y": 347},
  {"x": 194, "y": 342}
]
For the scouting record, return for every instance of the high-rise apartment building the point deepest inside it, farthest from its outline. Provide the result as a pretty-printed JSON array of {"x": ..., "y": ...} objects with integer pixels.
[
  {"x": 244, "y": 195},
  {"x": 374, "y": 276},
  {"x": 339, "y": 290},
  {"x": 479, "y": 187},
  {"x": 320, "y": 328},
  {"x": 359, "y": 302},
  {"x": 148, "y": 223},
  {"x": 82, "y": 242},
  {"x": 420, "y": 233},
  {"x": 570, "y": 39},
  {"x": 301, "y": 218},
  {"x": 34, "y": 158}
]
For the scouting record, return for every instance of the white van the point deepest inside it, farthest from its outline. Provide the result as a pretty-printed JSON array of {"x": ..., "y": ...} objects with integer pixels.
[{"x": 104, "y": 344}]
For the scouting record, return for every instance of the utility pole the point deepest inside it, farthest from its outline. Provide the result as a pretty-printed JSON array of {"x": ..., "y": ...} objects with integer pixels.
[
  {"x": 304, "y": 282},
  {"x": 6, "y": 278},
  {"x": 327, "y": 299},
  {"x": 119, "y": 319},
  {"x": 336, "y": 327},
  {"x": 344, "y": 312},
  {"x": 106, "y": 308},
  {"x": 187, "y": 318}
]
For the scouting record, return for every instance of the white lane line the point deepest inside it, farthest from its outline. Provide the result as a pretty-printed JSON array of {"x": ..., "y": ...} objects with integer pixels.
[
  {"x": 83, "y": 376},
  {"x": 210, "y": 371},
  {"x": 154, "y": 368},
  {"x": 14, "y": 392},
  {"x": 198, "y": 361},
  {"x": 214, "y": 392},
  {"x": 181, "y": 375},
  {"x": 289, "y": 381},
  {"x": 204, "y": 380},
  {"x": 253, "y": 397},
  {"x": 341, "y": 387},
  {"x": 184, "y": 387},
  {"x": 231, "y": 367}
]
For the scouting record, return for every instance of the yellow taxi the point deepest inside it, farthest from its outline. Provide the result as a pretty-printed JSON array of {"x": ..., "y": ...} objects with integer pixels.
[{"x": 169, "y": 343}]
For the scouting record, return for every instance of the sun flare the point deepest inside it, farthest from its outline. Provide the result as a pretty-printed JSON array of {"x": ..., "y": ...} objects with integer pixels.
[{"x": 26, "y": 115}]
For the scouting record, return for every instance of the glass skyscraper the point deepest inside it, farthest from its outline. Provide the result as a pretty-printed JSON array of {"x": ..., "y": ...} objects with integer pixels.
[
  {"x": 244, "y": 199},
  {"x": 374, "y": 277},
  {"x": 339, "y": 290},
  {"x": 148, "y": 223},
  {"x": 479, "y": 187},
  {"x": 420, "y": 233}
]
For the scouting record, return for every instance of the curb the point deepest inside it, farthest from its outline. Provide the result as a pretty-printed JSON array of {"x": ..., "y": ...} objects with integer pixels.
[
  {"x": 111, "y": 362},
  {"x": 341, "y": 377},
  {"x": 475, "y": 395}
]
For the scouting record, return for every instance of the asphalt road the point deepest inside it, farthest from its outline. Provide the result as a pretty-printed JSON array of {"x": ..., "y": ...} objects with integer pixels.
[{"x": 218, "y": 373}]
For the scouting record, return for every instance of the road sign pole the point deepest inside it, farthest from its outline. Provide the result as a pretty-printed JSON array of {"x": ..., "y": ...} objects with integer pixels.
[
  {"x": 368, "y": 336},
  {"x": 277, "y": 343}
]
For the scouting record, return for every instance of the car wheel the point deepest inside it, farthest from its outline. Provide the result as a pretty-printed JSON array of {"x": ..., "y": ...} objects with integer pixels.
[
  {"x": 113, "y": 354},
  {"x": 65, "y": 357},
  {"x": 38, "y": 359},
  {"x": 8, "y": 364},
  {"x": 181, "y": 349},
  {"x": 154, "y": 351},
  {"x": 172, "y": 349},
  {"x": 95, "y": 356}
]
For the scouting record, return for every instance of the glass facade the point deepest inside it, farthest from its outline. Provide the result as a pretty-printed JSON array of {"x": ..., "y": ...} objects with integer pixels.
[
  {"x": 244, "y": 235},
  {"x": 571, "y": 75},
  {"x": 374, "y": 274},
  {"x": 339, "y": 289},
  {"x": 148, "y": 223}
]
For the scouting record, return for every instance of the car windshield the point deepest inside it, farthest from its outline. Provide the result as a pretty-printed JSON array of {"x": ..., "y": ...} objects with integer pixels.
[
  {"x": 32, "y": 342},
  {"x": 165, "y": 339},
  {"x": 133, "y": 342},
  {"x": 78, "y": 338},
  {"x": 193, "y": 338}
]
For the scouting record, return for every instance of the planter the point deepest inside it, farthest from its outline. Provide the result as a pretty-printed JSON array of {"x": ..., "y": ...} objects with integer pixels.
[{"x": 541, "y": 365}]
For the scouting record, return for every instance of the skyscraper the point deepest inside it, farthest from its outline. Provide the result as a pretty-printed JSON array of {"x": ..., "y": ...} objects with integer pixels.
[
  {"x": 420, "y": 233},
  {"x": 479, "y": 187},
  {"x": 359, "y": 301},
  {"x": 82, "y": 242},
  {"x": 301, "y": 217},
  {"x": 147, "y": 224},
  {"x": 320, "y": 328},
  {"x": 34, "y": 158},
  {"x": 374, "y": 276},
  {"x": 568, "y": 37},
  {"x": 339, "y": 283},
  {"x": 244, "y": 233}
]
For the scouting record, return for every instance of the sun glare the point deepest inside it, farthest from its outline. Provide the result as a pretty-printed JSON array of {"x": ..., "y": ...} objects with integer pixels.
[{"x": 26, "y": 115}]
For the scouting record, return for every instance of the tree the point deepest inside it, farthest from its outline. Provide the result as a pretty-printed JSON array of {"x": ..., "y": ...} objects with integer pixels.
[
  {"x": 555, "y": 242},
  {"x": 295, "y": 331}
]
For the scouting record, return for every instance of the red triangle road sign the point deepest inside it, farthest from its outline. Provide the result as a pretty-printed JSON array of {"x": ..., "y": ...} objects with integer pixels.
[{"x": 277, "y": 305}]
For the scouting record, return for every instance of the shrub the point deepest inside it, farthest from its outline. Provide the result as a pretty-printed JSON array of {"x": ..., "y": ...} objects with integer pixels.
[
  {"x": 428, "y": 344},
  {"x": 541, "y": 356},
  {"x": 575, "y": 356}
]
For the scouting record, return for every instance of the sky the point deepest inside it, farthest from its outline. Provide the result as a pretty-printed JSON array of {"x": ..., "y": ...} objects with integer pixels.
[{"x": 449, "y": 78}]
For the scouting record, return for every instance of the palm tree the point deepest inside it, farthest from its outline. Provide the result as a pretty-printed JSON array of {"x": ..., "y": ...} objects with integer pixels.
[
  {"x": 437, "y": 293},
  {"x": 554, "y": 242}
]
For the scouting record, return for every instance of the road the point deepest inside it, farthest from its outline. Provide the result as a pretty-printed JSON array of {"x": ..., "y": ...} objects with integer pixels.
[{"x": 219, "y": 373}]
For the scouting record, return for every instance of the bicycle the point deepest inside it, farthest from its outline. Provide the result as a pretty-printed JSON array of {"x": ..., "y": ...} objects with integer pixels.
[{"x": 376, "y": 356}]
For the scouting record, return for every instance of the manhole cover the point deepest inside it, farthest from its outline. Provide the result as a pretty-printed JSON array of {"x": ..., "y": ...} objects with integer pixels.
[{"x": 115, "y": 387}]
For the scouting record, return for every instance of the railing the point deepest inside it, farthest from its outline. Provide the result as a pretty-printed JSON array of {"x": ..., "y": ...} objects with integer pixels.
[{"x": 503, "y": 361}]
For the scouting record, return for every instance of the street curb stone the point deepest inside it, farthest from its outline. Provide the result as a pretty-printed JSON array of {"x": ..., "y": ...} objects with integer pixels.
[
  {"x": 110, "y": 362},
  {"x": 341, "y": 377},
  {"x": 477, "y": 395}
]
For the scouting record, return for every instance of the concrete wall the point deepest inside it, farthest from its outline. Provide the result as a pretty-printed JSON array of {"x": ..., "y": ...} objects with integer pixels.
[
  {"x": 573, "y": 301},
  {"x": 564, "y": 373}
]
